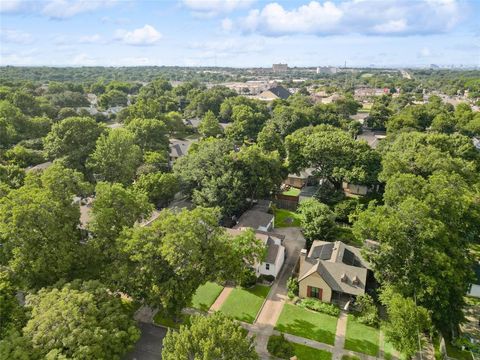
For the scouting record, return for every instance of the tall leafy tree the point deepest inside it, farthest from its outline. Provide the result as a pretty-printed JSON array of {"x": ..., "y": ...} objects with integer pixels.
[
  {"x": 73, "y": 140},
  {"x": 180, "y": 250},
  {"x": 150, "y": 134},
  {"x": 318, "y": 221},
  {"x": 116, "y": 157},
  {"x": 159, "y": 187},
  {"x": 209, "y": 338},
  {"x": 209, "y": 126},
  {"x": 79, "y": 320}
]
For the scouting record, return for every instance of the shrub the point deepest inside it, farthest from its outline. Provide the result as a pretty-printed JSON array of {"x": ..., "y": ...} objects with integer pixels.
[
  {"x": 268, "y": 278},
  {"x": 366, "y": 310},
  {"x": 350, "y": 357},
  {"x": 344, "y": 208},
  {"x": 319, "y": 306},
  {"x": 249, "y": 278},
  {"x": 292, "y": 285},
  {"x": 279, "y": 347},
  {"x": 327, "y": 194}
]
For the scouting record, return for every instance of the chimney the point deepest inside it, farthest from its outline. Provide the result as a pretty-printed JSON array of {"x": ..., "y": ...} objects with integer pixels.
[{"x": 301, "y": 261}]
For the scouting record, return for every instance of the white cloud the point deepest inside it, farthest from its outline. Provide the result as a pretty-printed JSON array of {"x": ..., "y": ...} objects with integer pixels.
[
  {"x": 15, "y": 36},
  {"x": 84, "y": 60},
  {"x": 208, "y": 8},
  {"x": 61, "y": 9},
  {"x": 392, "y": 26},
  {"x": 227, "y": 24},
  {"x": 8, "y": 6},
  {"x": 144, "y": 36},
  {"x": 91, "y": 39},
  {"x": 371, "y": 17}
]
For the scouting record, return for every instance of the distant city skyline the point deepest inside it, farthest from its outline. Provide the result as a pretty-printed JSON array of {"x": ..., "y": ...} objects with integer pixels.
[{"x": 240, "y": 33}]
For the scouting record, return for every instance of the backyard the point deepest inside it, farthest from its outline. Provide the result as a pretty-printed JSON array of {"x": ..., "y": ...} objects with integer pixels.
[
  {"x": 206, "y": 295},
  {"x": 167, "y": 321},
  {"x": 308, "y": 324},
  {"x": 286, "y": 218},
  {"x": 361, "y": 338},
  {"x": 244, "y": 304}
]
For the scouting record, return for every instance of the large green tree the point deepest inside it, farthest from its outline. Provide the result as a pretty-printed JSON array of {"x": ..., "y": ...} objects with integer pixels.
[
  {"x": 209, "y": 126},
  {"x": 79, "y": 321},
  {"x": 73, "y": 140},
  {"x": 180, "y": 251},
  {"x": 116, "y": 157},
  {"x": 150, "y": 134},
  {"x": 209, "y": 338},
  {"x": 159, "y": 187},
  {"x": 39, "y": 235},
  {"x": 318, "y": 221}
]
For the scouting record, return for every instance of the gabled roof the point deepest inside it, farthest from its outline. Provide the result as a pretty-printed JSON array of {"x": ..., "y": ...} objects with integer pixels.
[
  {"x": 280, "y": 92},
  {"x": 179, "y": 148},
  {"x": 254, "y": 219},
  {"x": 341, "y": 266}
]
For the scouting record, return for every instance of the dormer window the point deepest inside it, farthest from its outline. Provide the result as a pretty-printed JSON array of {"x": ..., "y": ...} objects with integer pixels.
[
  {"x": 344, "y": 277},
  {"x": 356, "y": 280}
]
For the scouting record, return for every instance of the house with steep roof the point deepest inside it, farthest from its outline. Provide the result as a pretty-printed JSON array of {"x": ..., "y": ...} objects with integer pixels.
[
  {"x": 274, "y": 93},
  {"x": 275, "y": 251},
  {"x": 178, "y": 148},
  {"x": 332, "y": 271}
]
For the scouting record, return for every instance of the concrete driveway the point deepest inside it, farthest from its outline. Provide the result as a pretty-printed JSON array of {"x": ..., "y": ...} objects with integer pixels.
[
  {"x": 273, "y": 306},
  {"x": 149, "y": 346}
]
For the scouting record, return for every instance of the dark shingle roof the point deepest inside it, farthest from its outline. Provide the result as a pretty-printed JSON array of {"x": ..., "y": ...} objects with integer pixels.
[{"x": 280, "y": 91}]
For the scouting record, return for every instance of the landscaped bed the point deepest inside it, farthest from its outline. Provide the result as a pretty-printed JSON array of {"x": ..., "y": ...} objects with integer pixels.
[
  {"x": 167, "y": 321},
  {"x": 308, "y": 324},
  {"x": 304, "y": 352},
  {"x": 361, "y": 338},
  {"x": 206, "y": 295},
  {"x": 244, "y": 304},
  {"x": 286, "y": 218}
]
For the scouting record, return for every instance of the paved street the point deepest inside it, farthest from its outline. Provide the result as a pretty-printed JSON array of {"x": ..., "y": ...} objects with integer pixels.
[{"x": 149, "y": 347}]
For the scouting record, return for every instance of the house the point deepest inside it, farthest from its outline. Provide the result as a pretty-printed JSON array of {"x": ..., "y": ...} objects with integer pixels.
[
  {"x": 178, "y": 148},
  {"x": 275, "y": 251},
  {"x": 372, "y": 138},
  {"x": 39, "y": 167},
  {"x": 332, "y": 271},
  {"x": 274, "y": 93},
  {"x": 194, "y": 122},
  {"x": 257, "y": 220},
  {"x": 301, "y": 179}
]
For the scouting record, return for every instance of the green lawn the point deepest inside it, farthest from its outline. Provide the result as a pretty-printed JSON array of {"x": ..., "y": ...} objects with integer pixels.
[
  {"x": 286, "y": 218},
  {"x": 361, "y": 338},
  {"x": 161, "y": 319},
  {"x": 244, "y": 304},
  {"x": 457, "y": 353},
  {"x": 293, "y": 191},
  {"x": 206, "y": 295},
  {"x": 388, "y": 350},
  {"x": 304, "y": 352},
  {"x": 308, "y": 324}
]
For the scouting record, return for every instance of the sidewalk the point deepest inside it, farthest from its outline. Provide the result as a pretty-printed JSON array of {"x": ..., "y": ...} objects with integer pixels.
[{"x": 221, "y": 298}]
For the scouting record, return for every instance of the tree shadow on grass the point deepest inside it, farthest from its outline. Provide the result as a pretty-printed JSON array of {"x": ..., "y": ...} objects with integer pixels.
[
  {"x": 362, "y": 346},
  {"x": 308, "y": 330}
]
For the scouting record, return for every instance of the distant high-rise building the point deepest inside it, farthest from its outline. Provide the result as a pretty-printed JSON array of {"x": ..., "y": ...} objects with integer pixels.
[{"x": 279, "y": 68}]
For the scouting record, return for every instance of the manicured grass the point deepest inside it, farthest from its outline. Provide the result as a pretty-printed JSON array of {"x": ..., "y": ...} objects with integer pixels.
[
  {"x": 361, "y": 338},
  {"x": 457, "y": 353},
  {"x": 308, "y": 324},
  {"x": 292, "y": 192},
  {"x": 304, "y": 352},
  {"x": 286, "y": 218},
  {"x": 244, "y": 304},
  {"x": 161, "y": 319},
  {"x": 350, "y": 357},
  {"x": 388, "y": 350},
  {"x": 206, "y": 295}
]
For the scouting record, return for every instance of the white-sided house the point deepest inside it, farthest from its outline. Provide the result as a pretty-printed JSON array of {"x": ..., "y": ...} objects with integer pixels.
[{"x": 275, "y": 254}]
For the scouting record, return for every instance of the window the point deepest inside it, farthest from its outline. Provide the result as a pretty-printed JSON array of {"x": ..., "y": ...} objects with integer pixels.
[
  {"x": 314, "y": 292},
  {"x": 267, "y": 266}
]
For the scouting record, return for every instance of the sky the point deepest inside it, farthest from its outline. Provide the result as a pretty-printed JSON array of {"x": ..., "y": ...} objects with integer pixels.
[{"x": 240, "y": 33}]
